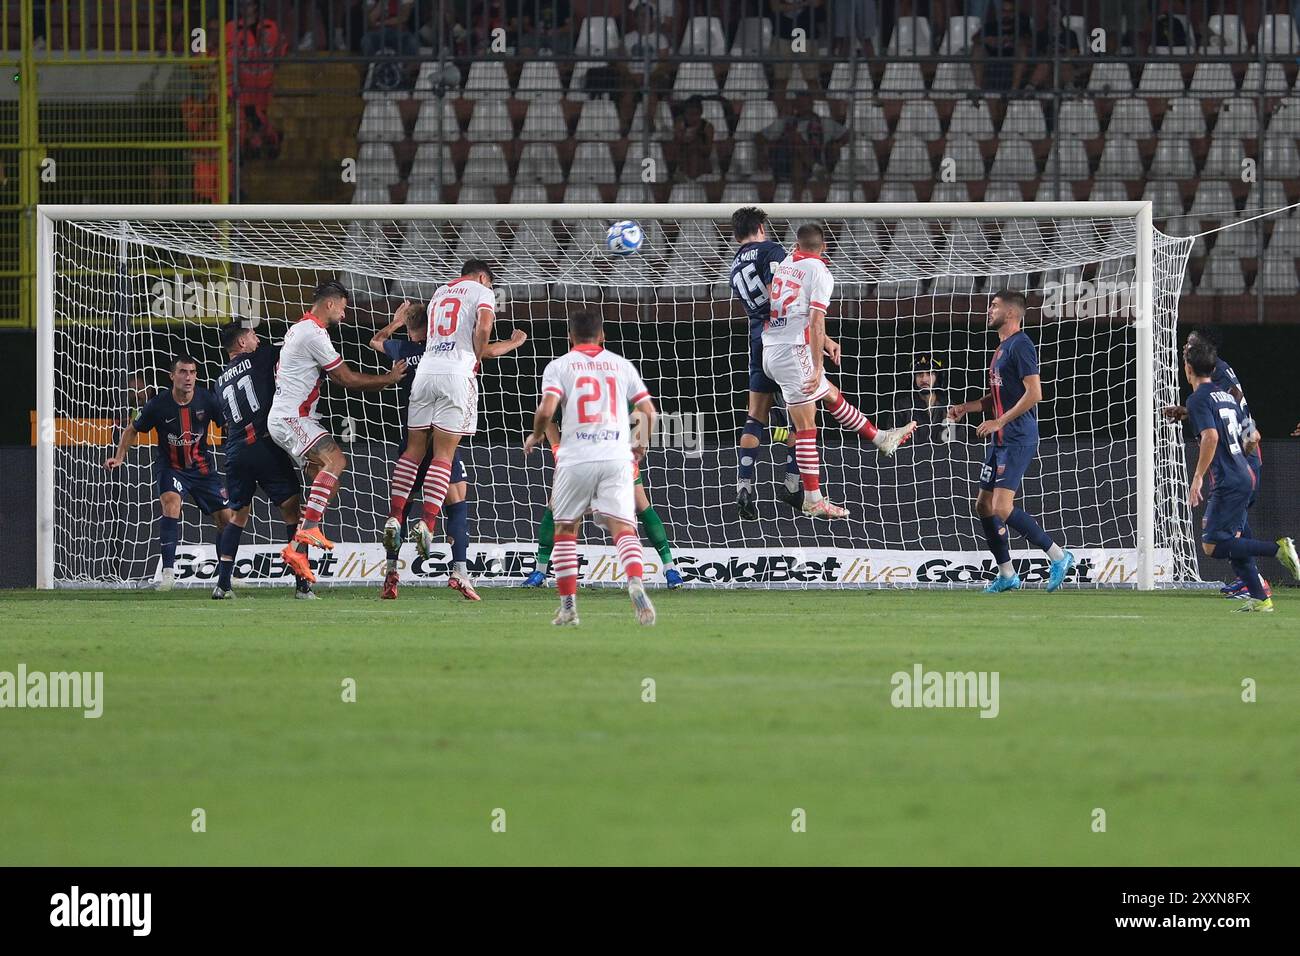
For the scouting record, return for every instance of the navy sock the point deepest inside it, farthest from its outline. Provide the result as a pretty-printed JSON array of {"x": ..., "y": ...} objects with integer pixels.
[
  {"x": 227, "y": 549},
  {"x": 745, "y": 456},
  {"x": 995, "y": 533},
  {"x": 1023, "y": 524},
  {"x": 791, "y": 465},
  {"x": 169, "y": 530},
  {"x": 458, "y": 529},
  {"x": 1245, "y": 528},
  {"x": 1248, "y": 572},
  {"x": 1249, "y": 548}
]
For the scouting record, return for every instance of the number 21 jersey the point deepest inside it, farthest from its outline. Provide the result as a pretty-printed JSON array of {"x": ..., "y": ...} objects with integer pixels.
[{"x": 595, "y": 388}]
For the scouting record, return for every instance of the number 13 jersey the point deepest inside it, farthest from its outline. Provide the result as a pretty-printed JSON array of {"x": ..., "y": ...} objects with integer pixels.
[{"x": 453, "y": 312}]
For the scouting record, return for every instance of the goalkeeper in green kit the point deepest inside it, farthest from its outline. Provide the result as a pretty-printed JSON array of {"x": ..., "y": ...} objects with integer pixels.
[{"x": 646, "y": 515}]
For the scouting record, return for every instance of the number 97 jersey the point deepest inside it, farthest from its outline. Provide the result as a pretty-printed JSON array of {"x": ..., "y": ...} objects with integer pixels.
[
  {"x": 799, "y": 284},
  {"x": 453, "y": 312},
  {"x": 595, "y": 388}
]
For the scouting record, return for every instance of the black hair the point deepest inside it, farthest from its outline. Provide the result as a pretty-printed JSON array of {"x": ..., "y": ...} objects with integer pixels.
[
  {"x": 809, "y": 232},
  {"x": 585, "y": 325},
  {"x": 746, "y": 220},
  {"x": 185, "y": 359},
  {"x": 330, "y": 290},
  {"x": 1012, "y": 297},
  {"x": 230, "y": 334},
  {"x": 1202, "y": 356},
  {"x": 475, "y": 266}
]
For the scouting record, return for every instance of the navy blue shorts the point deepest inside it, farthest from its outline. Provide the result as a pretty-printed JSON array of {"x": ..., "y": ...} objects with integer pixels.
[
  {"x": 758, "y": 380},
  {"x": 1225, "y": 512},
  {"x": 205, "y": 491},
  {"x": 1005, "y": 466},
  {"x": 262, "y": 463}
]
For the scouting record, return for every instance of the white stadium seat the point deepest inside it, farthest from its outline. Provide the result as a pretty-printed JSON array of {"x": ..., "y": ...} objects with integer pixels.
[
  {"x": 539, "y": 80},
  {"x": 598, "y": 36},
  {"x": 971, "y": 118},
  {"x": 960, "y": 35},
  {"x": 490, "y": 122},
  {"x": 1130, "y": 117},
  {"x": 703, "y": 37},
  {"x": 539, "y": 163},
  {"x": 598, "y": 121},
  {"x": 381, "y": 122},
  {"x": 486, "y": 165},
  {"x": 911, "y": 37},
  {"x": 487, "y": 80},
  {"x": 436, "y": 122},
  {"x": 1184, "y": 119},
  {"x": 1024, "y": 120}
]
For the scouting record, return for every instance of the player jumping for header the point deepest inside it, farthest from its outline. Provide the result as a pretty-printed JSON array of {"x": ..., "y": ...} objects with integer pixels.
[
  {"x": 444, "y": 397},
  {"x": 794, "y": 340},
  {"x": 456, "y": 505},
  {"x": 594, "y": 473},
  {"x": 751, "y": 273},
  {"x": 1216, "y": 418},
  {"x": 1015, "y": 387},
  {"x": 294, "y": 424}
]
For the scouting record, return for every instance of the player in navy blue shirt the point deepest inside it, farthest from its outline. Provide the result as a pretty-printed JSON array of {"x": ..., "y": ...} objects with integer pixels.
[
  {"x": 1015, "y": 387},
  {"x": 1225, "y": 379},
  {"x": 183, "y": 462},
  {"x": 751, "y": 274},
  {"x": 1216, "y": 419},
  {"x": 246, "y": 388},
  {"x": 455, "y": 506}
]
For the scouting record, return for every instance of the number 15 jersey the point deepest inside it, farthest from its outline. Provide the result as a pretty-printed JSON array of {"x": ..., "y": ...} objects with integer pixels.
[
  {"x": 799, "y": 284},
  {"x": 595, "y": 388},
  {"x": 453, "y": 312}
]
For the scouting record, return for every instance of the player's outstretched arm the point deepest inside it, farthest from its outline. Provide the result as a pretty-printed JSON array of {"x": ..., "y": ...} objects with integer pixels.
[
  {"x": 497, "y": 349},
  {"x": 384, "y": 334},
  {"x": 348, "y": 377},
  {"x": 545, "y": 412},
  {"x": 123, "y": 445},
  {"x": 482, "y": 330},
  {"x": 1174, "y": 413},
  {"x": 983, "y": 404}
]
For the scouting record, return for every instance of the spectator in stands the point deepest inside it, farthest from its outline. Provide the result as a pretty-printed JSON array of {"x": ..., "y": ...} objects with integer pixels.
[
  {"x": 693, "y": 136},
  {"x": 808, "y": 16},
  {"x": 387, "y": 28},
  {"x": 1057, "y": 39},
  {"x": 545, "y": 28},
  {"x": 799, "y": 143},
  {"x": 199, "y": 110},
  {"x": 645, "y": 45},
  {"x": 1173, "y": 27},
  {"x": 854, "y": 21},
  {"x": 1007, "y": 35},
  {"x": 252, "y": 43}
]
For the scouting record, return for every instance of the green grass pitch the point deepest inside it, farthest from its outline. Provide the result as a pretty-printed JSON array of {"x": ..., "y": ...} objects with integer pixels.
[{"x": 765, "y": 702}]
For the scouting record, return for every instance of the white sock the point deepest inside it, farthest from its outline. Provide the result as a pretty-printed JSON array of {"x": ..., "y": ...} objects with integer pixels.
[
  {"x": 1006, "y": 569},
  {"x": 813, "y": 496},
  {"x": 668, "y": 566},
  {"x": 791, "y": 482},
  {"x": 745, "y": 483},
  {"x": 1055, "y": 552},
  {"x": 460, "y": 568}
]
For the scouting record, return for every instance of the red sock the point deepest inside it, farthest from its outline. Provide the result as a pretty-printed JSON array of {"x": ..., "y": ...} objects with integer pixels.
[
  {"x": 629, "y": 554},
  {"x": 564, "y": 561},
  {"x": 436, "y": 480},
  {"x": 805, "y": 454},
  {"x": 403, "y": 480},
  {"x": 852, "y": 419},
  {"x": 319, "y": 496}
]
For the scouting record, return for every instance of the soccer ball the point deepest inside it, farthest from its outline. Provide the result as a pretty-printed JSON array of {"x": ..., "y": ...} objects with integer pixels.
[{"x": 624, "y": 238}]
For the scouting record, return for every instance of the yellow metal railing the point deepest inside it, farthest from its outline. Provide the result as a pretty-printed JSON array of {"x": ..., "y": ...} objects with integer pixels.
[{"x": 122, "y": 101}]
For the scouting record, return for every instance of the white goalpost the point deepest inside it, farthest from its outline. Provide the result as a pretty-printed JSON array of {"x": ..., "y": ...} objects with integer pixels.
[{"x": 122, "y": 289}]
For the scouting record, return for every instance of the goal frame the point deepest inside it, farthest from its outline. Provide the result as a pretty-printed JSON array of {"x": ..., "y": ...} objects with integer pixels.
[{"x": 1140, "y": 211}]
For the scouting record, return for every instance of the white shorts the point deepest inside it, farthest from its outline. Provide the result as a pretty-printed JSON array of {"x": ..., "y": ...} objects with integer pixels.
[
  {"x": 447, "y": 402},
  {"x": 604, "y": 487},
  {"x": 790, "y": 366},
  {"x": 297, "y": 436}
]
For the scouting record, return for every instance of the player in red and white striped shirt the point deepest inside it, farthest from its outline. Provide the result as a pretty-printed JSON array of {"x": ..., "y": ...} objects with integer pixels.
[
  {"x": 793, "y": 341},
  {"x": 593, "y": 462},
  {"x": 294, "y": 423}
]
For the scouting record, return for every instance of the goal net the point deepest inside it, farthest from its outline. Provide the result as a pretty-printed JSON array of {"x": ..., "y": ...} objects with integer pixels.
[{"x": 124, "y": 289}]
